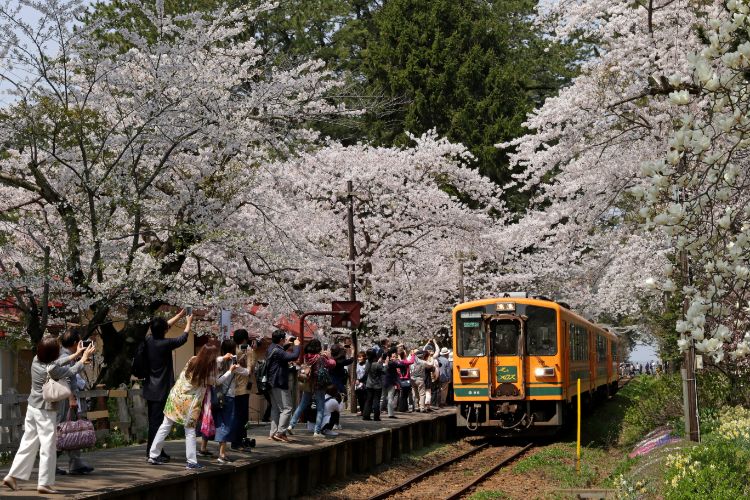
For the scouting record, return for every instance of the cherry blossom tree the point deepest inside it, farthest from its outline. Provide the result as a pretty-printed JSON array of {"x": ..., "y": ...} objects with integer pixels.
[
  {"x": 582, "y": 239},
  {"x": 416, "y": 210},
  {"x": 117, "y": 164}
]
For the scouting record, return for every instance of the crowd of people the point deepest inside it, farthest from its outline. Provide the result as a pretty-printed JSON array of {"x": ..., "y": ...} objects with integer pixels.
[
  {"x": 649, "y": 368},
  {"x": 210, "y": 396}
]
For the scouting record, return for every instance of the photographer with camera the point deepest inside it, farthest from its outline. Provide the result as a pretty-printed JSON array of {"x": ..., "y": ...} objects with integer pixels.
[
  {"x": 242, "y": 386},
  {"x": 68, "y": 346},
  {"x": 317, "y": 364},
  {"x": 223, "y": 398},
  {"x": 160, "y": 378},
  {"x": 278, "y": 360}
]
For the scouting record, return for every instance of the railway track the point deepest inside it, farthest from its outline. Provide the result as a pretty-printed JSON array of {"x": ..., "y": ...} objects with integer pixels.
[{"x": 498, "y": 460}]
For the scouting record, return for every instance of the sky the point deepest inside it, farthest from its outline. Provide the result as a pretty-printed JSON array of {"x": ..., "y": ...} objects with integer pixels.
[{"x": 643, "y": 352}]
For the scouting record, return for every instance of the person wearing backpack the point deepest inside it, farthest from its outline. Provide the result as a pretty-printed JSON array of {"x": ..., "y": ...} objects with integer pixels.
[
  {"x": 446, "y": 374},
  {"x": 277, "y": 366},
  {"x": 159, "y": 377},
  {"x": 313, "y": 376}
]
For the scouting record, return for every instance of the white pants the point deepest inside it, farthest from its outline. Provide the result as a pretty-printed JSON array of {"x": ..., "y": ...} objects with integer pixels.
[
  {"x": 39, "y": 434},
  {"x": 161, "y": 436}
]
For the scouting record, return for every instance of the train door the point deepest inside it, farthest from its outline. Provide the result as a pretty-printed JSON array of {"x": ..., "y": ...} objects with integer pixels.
[{"x": 507, "y": 350}]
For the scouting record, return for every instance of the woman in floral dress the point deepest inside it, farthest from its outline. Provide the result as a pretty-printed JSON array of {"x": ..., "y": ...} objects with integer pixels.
[{"x": 184, "y": 403}]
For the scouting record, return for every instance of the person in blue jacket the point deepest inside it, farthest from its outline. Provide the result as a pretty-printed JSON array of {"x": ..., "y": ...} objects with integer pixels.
[{"x": 278, "y": 375}]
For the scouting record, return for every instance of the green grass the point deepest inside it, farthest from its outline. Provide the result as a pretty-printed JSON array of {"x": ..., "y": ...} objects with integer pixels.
[
  {"x": 488, "y": 495},
  {"x": 557, "y": 463}
]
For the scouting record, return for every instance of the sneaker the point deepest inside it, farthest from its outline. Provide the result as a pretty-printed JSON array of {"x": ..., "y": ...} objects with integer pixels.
[
  {"x": 165, "y": 456},
  {"x": 276, "y": 437},
  {"x": 318, "y": 435},
  {"x": 63, "y": 472},
  {"x": 282, "y": 437},
  {"x": 289, "y": 430},
  {"x": 204, "y": 453},
  {"x": 330, "y": 433},
  {"x": 193, "y": 465},
  {"x": 224, "y": 460},
  {"x": 156, "y": 461}
]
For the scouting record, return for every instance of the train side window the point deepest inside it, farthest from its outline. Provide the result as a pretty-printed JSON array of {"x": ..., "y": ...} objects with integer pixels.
[
  {"x": 471, "y": 336},
  {"x": 541, "y": 331},
  {"x": 601, "y": 348}
]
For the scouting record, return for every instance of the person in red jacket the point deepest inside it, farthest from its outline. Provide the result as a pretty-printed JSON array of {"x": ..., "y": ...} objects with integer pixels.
[{"x": 320, "y": 378}]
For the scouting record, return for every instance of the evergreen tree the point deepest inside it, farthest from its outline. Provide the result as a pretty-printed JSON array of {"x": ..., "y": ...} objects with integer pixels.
[{"x": 470, "y": 69}]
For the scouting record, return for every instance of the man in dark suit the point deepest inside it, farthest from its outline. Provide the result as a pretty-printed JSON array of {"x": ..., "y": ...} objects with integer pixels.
[{"x": 160, "y": 377}]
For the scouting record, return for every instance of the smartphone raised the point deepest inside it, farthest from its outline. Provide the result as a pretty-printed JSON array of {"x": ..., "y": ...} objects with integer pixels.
[
  {"x": 188, "y": 310},
  {"x": 87, "y": 342},
  {"x": 234, "y": 360}
]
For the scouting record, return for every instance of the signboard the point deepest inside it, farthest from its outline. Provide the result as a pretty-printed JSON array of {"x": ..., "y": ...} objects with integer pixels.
[{"x": 351, "y": 319}]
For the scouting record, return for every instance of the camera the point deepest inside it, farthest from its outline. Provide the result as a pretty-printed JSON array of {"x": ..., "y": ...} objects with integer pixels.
[
  {"x": 244, "y": 347},
  {"x": 87, "y": 342},
  {"x": 291, "y": 338}
]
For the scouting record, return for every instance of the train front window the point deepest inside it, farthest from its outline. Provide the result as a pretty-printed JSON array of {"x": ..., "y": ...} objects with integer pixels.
[
  {"x": 471, "y": 337},
  {"x": 505, "y": 335},
  {"x": 541, "y": 331}
]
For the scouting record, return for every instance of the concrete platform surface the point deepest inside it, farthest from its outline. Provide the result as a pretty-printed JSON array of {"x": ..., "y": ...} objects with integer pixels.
[{"x": 126, "y": 468}]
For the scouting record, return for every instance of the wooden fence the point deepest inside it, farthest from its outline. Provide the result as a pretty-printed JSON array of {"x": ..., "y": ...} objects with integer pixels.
[{"x": 131, "y": 417}]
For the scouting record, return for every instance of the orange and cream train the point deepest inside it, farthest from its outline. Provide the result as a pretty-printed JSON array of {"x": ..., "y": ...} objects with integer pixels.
[{"x": 517, "y": 359}]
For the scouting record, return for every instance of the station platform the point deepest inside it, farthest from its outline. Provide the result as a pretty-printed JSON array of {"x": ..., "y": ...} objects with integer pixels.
[{"x": 272, "y": 470}]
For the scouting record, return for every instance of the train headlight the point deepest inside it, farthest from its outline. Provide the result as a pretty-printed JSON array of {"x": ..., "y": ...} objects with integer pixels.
[
  {"x": 469, "y": 372},
  {"x": 544, "y": 371},
  {"x": 505, "y": 306}
]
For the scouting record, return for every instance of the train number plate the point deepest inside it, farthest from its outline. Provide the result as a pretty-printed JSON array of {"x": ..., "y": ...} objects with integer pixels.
[{"x": 506, "y": 373}]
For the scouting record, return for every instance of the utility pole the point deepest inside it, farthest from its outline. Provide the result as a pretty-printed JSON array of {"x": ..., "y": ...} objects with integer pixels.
[
  {"x": 352, "y": 291},
  {"x": 461, "y": 288}
]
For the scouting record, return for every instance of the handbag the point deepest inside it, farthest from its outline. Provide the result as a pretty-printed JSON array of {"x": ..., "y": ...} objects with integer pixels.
[
  {"x": 404, "y": 383},
  {"x": 54, "y": 391},
  {"x": 220, "y": 392},
  {"x": 75, "y": 434},
  {"x": 208, "y": 428}
]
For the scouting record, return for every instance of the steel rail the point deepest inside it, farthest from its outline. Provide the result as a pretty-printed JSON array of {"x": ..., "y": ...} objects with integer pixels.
[
  {"x": 487, "y": 473},
  {"x": 405, "y": 484}
]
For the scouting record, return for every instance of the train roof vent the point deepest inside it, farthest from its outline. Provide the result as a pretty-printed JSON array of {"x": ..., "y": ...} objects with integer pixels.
[
  {"x": 541, "y": 297},
  {"x": 514, "y": 295},
  {"x": 563, "y": 304}
]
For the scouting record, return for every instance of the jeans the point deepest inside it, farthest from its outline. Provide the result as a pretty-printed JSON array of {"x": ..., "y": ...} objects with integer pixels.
[
  {"x": 281, "y": 409},
  {"x": 161, "y": 436},
  {"x": 372, "y": 403},
  {"x": 320, "y": 403},
  {"x": 39, "y": 434},
  {"x": 391, "y": 399}
]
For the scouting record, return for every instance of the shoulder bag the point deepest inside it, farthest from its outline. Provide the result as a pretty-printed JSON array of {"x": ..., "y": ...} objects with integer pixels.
[{"x": 54, "y": 391}]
